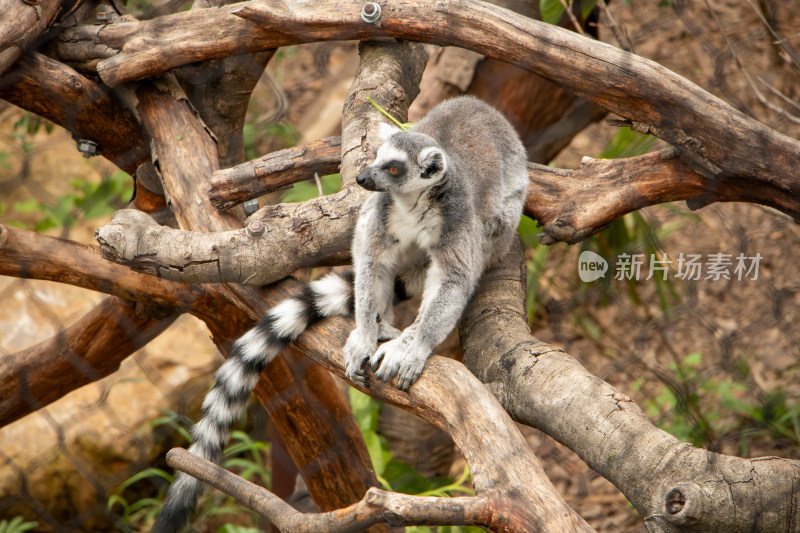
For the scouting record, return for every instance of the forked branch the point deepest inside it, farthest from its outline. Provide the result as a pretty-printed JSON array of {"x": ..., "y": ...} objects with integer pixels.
[
  {"x": 672, "y": 484},
  {"x": 377, "y": 506}
]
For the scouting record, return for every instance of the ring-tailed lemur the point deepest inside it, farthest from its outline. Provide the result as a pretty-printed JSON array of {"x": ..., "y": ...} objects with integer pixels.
[{"x": 447, "y": 201}]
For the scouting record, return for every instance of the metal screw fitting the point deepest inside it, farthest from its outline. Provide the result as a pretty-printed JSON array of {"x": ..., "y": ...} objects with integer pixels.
[
  {"x": 255, "y": 229},
  {"x": 250, "y": 206},
  {"x": 371, "y": 12},
  {"x": 87, "y": 148}
]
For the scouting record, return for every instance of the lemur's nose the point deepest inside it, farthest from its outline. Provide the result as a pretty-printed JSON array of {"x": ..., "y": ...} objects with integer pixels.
[{"x": 365, "y": 180}]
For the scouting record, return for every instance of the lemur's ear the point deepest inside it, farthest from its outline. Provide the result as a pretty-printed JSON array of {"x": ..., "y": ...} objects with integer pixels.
[
  {"x": 386, "y": 130},
  {"x": 431, "y": 161}
]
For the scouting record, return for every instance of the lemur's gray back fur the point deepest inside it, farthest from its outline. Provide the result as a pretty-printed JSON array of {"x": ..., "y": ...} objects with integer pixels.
[{"x": 448, "y": 199}]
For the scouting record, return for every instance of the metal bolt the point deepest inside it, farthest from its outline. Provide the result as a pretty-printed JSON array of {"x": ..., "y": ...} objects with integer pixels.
[
  {"x": 250, "y": 206},
  {"x": 87, "y": 148},
  {"x": 371, "y": 12},
  {"x": 256, "y": 229},
  {"x": 105, "y": 16}
]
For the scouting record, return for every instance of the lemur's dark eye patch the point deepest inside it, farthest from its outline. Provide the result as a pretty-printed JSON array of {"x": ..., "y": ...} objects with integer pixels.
[{"x": 395, "y": 168}]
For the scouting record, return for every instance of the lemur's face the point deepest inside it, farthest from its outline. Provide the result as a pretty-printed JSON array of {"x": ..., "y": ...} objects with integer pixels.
[{"x": 405, "y": 164}]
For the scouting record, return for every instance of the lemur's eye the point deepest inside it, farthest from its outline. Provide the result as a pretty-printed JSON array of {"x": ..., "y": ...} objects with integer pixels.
[{"x": 394, "y": 171}]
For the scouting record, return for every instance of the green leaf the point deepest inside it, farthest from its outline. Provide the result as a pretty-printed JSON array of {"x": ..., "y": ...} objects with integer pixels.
[
  {"x": 144, "y": 474},
  {"x": 551, "y": 11},
  {"x": 16, "y": 525},
  {"x": 233, "y": 528}
]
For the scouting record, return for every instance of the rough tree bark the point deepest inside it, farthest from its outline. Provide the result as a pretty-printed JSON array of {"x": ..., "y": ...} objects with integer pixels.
[
  {"x": 168, "y": 118},
  {"x": 674, "y": 485},
  {"x": 722, "y": 156}
]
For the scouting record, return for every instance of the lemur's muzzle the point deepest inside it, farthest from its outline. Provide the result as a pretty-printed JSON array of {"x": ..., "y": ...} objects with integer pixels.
[{"x": 366, "y": 180}]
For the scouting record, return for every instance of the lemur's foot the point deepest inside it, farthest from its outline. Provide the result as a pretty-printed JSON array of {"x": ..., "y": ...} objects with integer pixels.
[
  {"x": 401, "y": 357},
  {"x": 357, "y": 350},
  {"x": 387, "y": 332}
]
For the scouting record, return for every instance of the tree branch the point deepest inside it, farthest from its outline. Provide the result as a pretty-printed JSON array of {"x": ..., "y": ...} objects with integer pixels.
[
  {"x": 232, "y": 186},
  {"x": 630, "y": 86},
  {"x": 571, "y": 205},
  {"x": 377, "y": 506},
  {"x": 672, "y": 484},
  {"x": 27, "y": 254},
  {"x": 699, "y": 125},
  {"x": 54, "y": 91},
  {"x": 21, "y": 25},
  {"x": 88, "y": 350},
  {"x": 291, "y": 235},
  {"x": 449, "y": 397},
  {"x": 575, "y": 204}
]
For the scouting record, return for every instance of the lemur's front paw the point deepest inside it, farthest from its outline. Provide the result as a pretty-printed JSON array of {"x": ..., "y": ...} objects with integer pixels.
[
  {"x": 358, "y": 348},
  {"x": 401, "y": 357}
]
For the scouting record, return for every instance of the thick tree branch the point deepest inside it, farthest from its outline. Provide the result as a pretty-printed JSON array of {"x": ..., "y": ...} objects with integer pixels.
[
  {"x": 377, "y": 506},
  {"x": 575, "y": 204},
  {"x": 450, "y": 398},
  {"x": 672, "y": 484},
  {"x": 54, "y": 91},
  {"x": 571, "y": 205},
  {"x": 274, "y": 171},
  {"x": 21, "y": 25},
  {"x": 27, "y": 254},
  {"x": 88, "y": 350},
  {"x": 303, "y": 409},
  {"x": 290, "y": 235},
  {"x": 702, "y": 127}
]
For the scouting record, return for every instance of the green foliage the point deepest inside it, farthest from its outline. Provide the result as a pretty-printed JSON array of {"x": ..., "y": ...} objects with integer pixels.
[
  {"x": 90, "y": 200},
  {"x": 285, "y": 130},
  {"x": 233, "y": 528},
  {"x": 396, "y": 475},
  {"x": 16, "y": 525},
  {"x": 677, "y": 406},
  {"x": 551, "y": 10},
  {"x": 627, "y": 143},
  {"x": 243, "y": 455},
  {"x": 306, "y": 190},
  {"x": 704, "y": 410}
]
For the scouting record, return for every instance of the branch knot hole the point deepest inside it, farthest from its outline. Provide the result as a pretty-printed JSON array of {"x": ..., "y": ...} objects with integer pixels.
[
  {"x": 675, "y": 501},
  {"x": 683, "y": 503}
]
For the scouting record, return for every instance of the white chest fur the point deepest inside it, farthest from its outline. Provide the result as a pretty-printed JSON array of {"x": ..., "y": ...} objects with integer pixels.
[{"x": 420, "y": 225}]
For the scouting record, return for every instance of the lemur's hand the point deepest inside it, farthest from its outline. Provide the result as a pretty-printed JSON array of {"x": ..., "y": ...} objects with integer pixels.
[
  {"x": 357, "y": 349},
  {"x": 402, "y": 357}
]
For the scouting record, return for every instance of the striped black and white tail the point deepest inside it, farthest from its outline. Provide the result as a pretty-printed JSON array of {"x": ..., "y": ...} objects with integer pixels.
[{"x": 331, "y": 295}]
